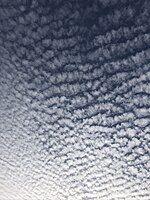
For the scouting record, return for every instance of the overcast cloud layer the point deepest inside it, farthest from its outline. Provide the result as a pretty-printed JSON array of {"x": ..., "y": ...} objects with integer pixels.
[{"x": 74, "y": 100}]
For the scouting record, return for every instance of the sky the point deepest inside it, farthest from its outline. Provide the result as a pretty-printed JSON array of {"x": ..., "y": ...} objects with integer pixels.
[{"x": 74, "y": 100}]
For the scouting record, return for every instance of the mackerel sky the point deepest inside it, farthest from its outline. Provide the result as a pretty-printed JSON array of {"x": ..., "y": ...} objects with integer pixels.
[{"x": 74, "y": 100}]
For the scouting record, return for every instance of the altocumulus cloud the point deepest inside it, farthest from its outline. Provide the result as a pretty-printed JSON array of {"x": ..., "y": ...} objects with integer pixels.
[{"x": 74, "y": 100}]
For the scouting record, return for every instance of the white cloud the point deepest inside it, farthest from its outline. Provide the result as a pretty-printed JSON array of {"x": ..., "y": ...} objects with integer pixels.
[{"x": 74, "y": 106}]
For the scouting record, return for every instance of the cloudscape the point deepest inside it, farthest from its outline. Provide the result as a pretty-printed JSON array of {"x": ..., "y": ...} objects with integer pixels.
[{"x": 74, "y": 100}]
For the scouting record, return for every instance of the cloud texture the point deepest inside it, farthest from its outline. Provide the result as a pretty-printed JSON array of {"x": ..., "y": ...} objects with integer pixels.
[{"x": 74, "y": 100}]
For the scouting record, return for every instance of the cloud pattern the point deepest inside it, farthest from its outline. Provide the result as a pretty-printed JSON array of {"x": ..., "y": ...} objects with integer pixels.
[{"x": 74, "y": 100}]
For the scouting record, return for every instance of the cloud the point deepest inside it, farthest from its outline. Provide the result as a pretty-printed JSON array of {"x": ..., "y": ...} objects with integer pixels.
[{"x": 74, "y": 100}]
